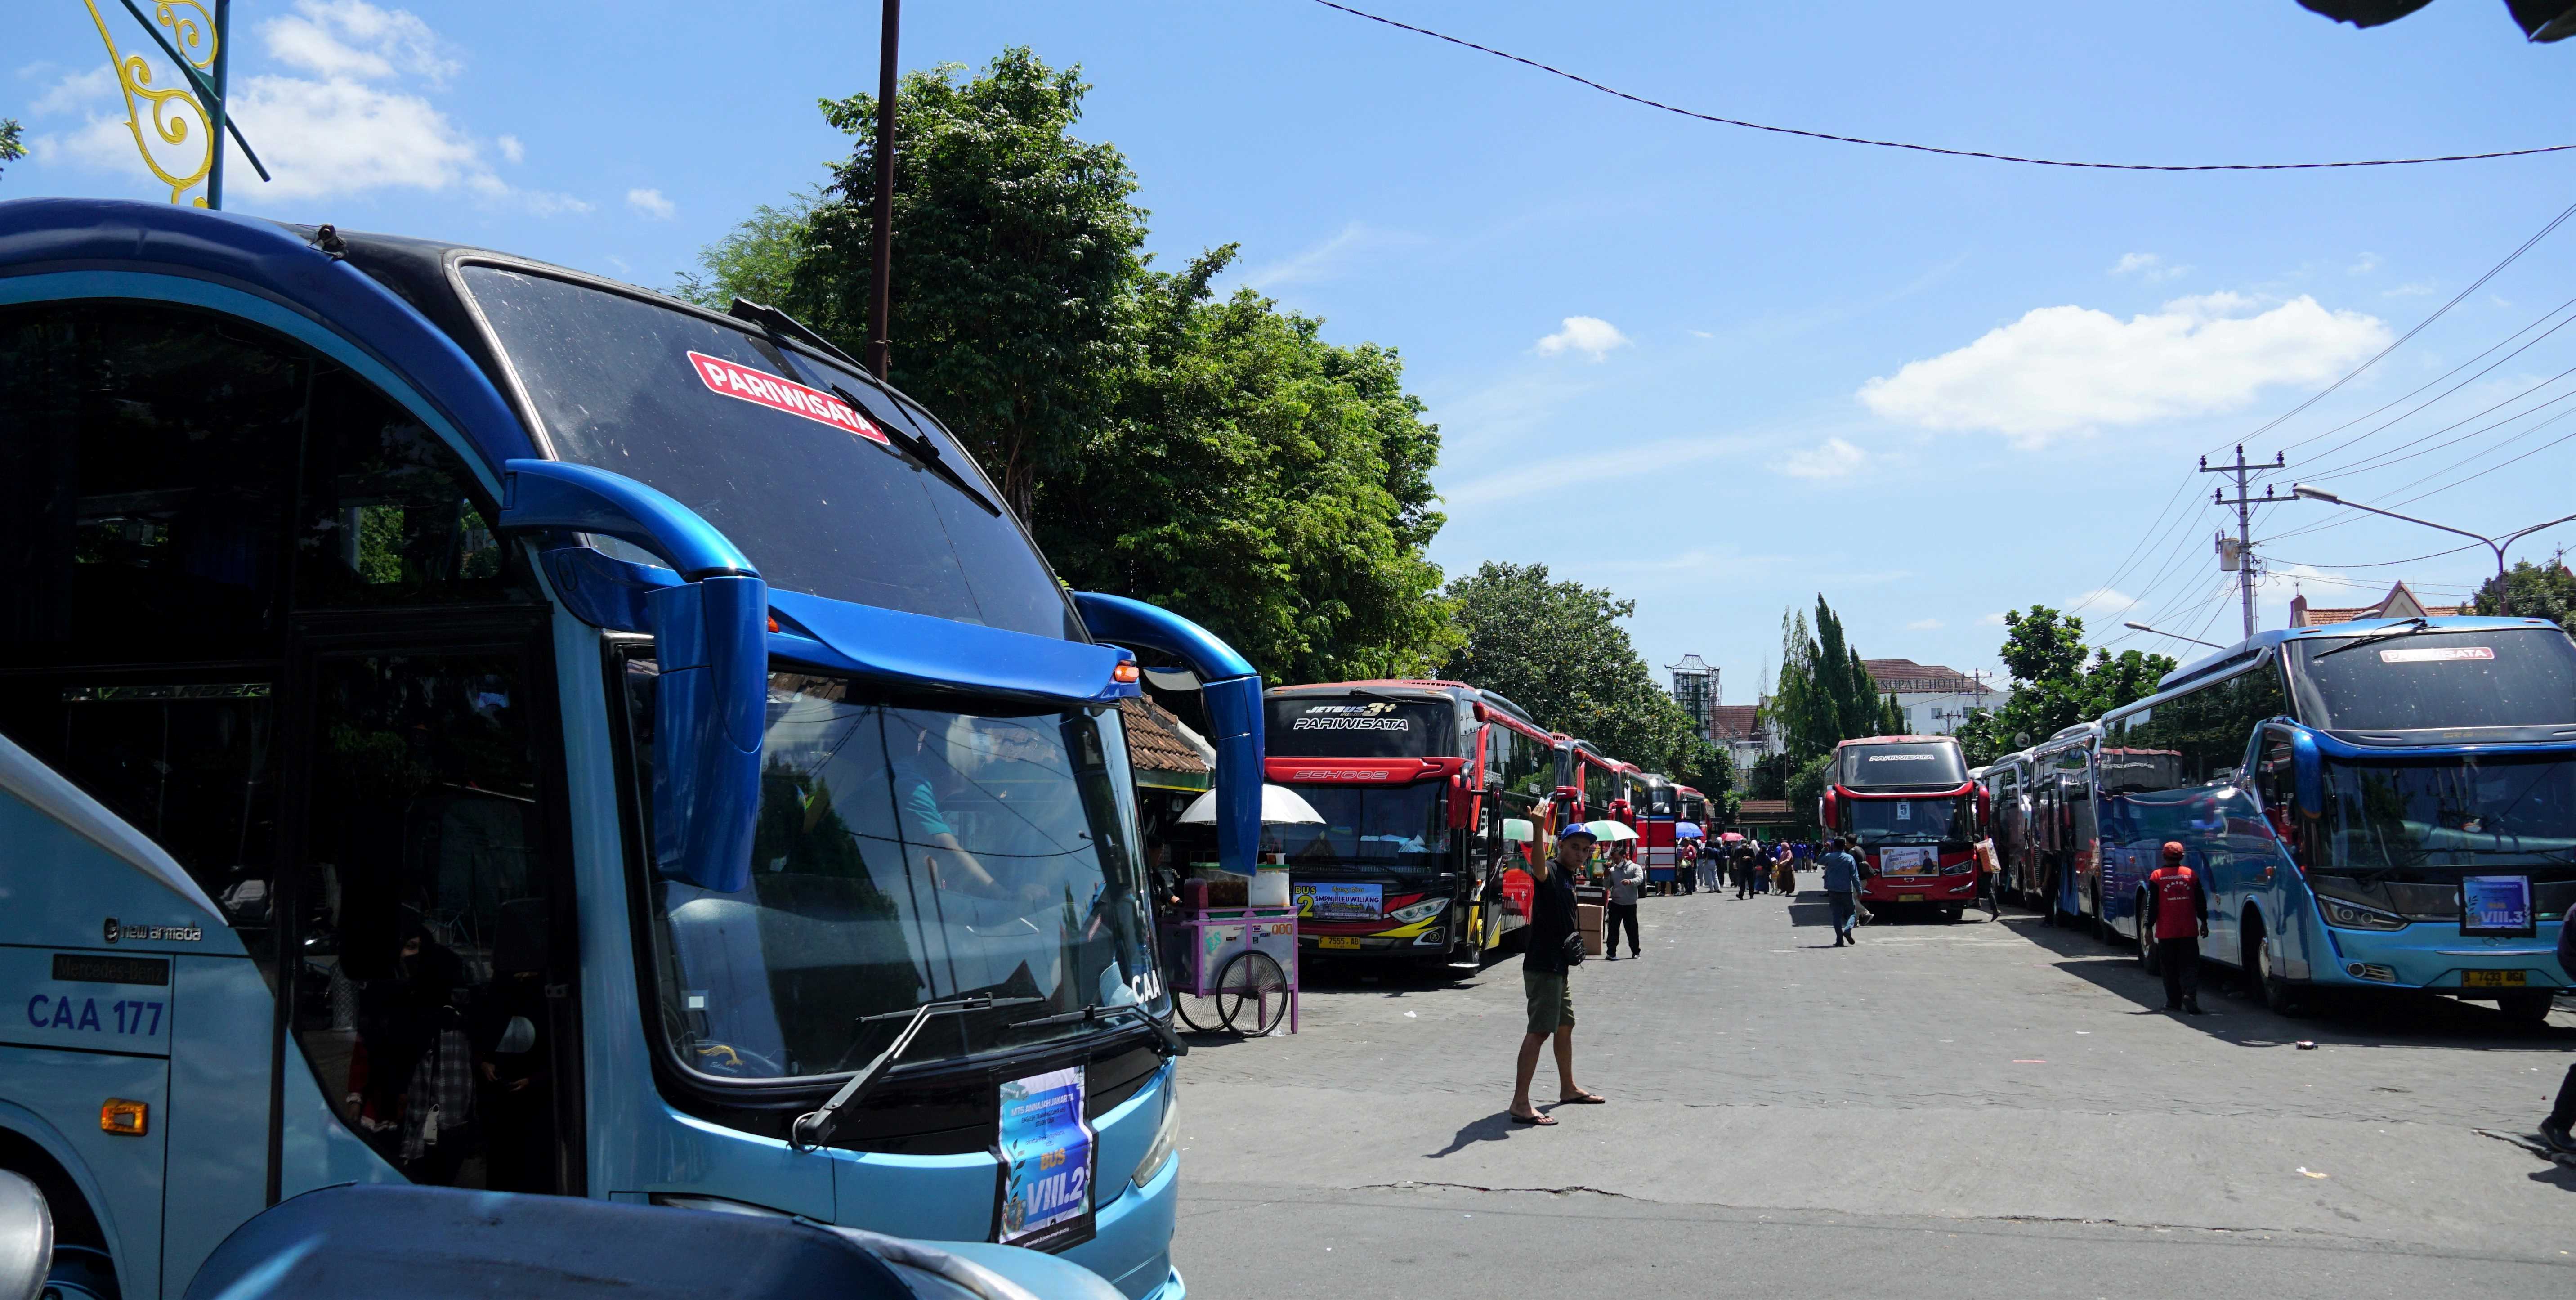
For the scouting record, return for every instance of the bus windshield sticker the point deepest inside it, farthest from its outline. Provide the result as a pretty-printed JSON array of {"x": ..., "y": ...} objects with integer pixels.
[
  {"x": 1046, "y": 1150},
  {"x": 763, "y": 389},
  {"x": 2436, "y": 654},
  {"x": 1324, "y": 901},
  {"x": 2497, "y": 907},
  {"x": 1904, "y": 810}
]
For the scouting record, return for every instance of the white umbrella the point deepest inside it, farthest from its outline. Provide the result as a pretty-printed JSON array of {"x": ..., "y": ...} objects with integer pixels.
[
  {"x": 1610, "y": 831},
  {"x": 1280, "y": 806}
]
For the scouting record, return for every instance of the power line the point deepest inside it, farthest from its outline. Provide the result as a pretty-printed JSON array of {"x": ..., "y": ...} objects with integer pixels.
[
  {"x": 2445, "y": 375},
  {"x": 1926, "y": 148},
  {"x": 2383, "y": 460},
  {"x": 2382, "y": 564}
]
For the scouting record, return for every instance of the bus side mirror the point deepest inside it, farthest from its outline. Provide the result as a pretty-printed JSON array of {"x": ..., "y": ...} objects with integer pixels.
[
  {"x": 26, "y": 1238},
  {"x": 711, "y": 643},
  {"x": 1832, "y": 806},
  {"x": 1231, "y": 691},
  {"x": 1985, "y": 810},
  {"x": 2308, "y": 775},
  {"x": 1462, "y": 804}
]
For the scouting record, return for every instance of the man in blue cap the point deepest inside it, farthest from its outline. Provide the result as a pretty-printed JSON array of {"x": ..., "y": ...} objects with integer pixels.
[{"x": 1544, "y": 970}]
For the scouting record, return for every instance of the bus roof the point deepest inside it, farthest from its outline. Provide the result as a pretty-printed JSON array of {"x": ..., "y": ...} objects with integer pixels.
[
  {"x": 2244, "y": 651},
  {"x": 1423, "y": 685},
  {"x": 1898, "y": 740}
]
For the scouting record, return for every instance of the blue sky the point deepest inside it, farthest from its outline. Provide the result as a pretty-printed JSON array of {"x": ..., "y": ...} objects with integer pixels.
[{"x": 1716, "y": 370}]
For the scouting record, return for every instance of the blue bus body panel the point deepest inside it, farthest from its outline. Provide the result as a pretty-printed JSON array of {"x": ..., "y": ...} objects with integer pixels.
[
  {"x": 218, "y": 1097},
  {"x": 52, "y": 1098}
]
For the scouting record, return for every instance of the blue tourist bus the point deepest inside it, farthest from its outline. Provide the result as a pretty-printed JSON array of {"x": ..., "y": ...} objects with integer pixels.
[
  {"x": 2386, "y": 804},
  {"x": 471, "y": 723}
]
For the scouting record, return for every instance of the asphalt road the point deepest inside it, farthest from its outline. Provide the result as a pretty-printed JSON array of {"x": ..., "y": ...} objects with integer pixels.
[{"x": 1979, "y": 1109}]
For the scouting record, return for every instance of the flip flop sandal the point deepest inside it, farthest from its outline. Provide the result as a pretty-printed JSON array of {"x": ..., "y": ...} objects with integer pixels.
[
  {"x": 1587, "y": 1099},
  {"x": 1543, "y": 1121}
]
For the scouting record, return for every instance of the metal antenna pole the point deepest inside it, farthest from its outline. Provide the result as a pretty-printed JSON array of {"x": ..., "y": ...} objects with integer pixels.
[
  {"x": 2244, "y": 521},
  {"x": 881, "y": 310}
]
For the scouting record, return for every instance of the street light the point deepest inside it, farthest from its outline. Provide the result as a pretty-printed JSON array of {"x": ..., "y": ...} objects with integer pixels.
[
  {"x": 2136, "y": 626},
  {"x": 2495, "y": 544}
]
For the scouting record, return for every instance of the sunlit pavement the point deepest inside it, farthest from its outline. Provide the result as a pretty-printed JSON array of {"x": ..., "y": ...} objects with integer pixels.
[{"x": 1968, "y": 1109}]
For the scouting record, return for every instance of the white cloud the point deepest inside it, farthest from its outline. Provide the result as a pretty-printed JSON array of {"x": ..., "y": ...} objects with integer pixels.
[
  {"x": 650, "y": 203},
  {"x": 2367, "y": 263},
  {"x": 2060, "y": 370},
  {"x": 1923, "y": 625},
  {"x": 1589, "y": 335},
  {"x": 1329, "y": 260},
  {"x": 1547, "y": 475},
  {"x": 2412, "y": 289},
  {"x": 1832, "y": 458},
  {"x": 75, "y": 91},
  {"x": 512, "y": 149},
  {"x": 1995, "y": 619},
  {"x": 2147, "y": 267},
  {"x": 353, "y": 39},
  {"x": 2101, "y": 600},
  {"x": 344, "y": 137}
]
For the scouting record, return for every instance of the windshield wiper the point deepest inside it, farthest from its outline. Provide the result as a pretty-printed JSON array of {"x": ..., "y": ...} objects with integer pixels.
[
  {"x": 2383, "y": 634},
  {"x": 925, "y": 453},
  {"x": 775, "y": 321},
  {"x": 813, "y": 1128},
  {"x": 1172, "y": 1044}
]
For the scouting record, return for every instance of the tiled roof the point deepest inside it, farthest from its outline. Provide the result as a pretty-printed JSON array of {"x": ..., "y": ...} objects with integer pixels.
[
  {"x": 1154, "y": 741},
  {"x": 1734, "y": 721},
  {"x": 2400, "y": 602}
]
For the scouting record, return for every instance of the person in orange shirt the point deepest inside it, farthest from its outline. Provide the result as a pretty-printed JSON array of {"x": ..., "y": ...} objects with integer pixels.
[{"x": 2180, "y": 904}]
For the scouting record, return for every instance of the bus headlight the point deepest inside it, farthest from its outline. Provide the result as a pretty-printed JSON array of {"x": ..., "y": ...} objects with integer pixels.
[
  {"x": 1422, "y": 911},
  {"x": 1167, "y": 1135},
  {"x": 2350, "y": 917}
]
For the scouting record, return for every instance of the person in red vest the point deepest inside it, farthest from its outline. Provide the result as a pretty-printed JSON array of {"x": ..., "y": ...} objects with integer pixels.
[{"x": 2181, "y": 906}]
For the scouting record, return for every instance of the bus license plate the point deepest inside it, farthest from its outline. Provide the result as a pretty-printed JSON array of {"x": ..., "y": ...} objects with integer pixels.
[
  {"x": 2493, "y": 979},
  {"x": 1336, "y": 941},
  {"x": 1909, "y": 898}
]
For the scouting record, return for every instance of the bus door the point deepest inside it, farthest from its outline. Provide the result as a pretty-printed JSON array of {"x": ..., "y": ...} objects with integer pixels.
[{"x": 426, "y": 896}]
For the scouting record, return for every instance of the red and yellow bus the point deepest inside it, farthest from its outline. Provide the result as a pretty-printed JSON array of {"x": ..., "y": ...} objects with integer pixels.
[
  {"x": 1906, "y": 805},
  {"x": 1435, "y": 796}
]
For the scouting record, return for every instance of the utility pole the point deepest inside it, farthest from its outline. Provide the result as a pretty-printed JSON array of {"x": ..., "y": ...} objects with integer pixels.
[
  {"x": 2243, "y": 555},
  {"x": 881, "y": 310}
]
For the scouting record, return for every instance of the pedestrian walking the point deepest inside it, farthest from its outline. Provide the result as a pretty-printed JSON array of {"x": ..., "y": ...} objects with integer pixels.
[
  {"x": 1842, "y": 890},
  {"x": 1788, "y": 872},
  {"x": 2182, "y": 921},
  {"x": 2554, "y": 1130},
  {"x": 1627, "y": 876},
  {"x": 1989, "y": 874},
  {"x": 1686, "y": 870},
  {"x": 1555, "y": 948}
]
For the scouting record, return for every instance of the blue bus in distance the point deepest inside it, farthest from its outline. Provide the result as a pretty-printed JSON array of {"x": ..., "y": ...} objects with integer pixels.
[
  {"x": 2377, "y": 805},
  {"x": 471, "y": 723}
]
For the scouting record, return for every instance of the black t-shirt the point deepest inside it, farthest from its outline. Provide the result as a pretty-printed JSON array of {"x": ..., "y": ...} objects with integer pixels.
[{"x": 1551, "y": 920}]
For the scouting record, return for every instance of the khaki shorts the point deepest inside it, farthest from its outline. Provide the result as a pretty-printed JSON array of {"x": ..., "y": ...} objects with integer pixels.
[{"x": 1551, "y": 1001}]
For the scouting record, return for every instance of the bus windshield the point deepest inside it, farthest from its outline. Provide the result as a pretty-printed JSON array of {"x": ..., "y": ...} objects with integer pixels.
[
  {"x": 2502, "y": 677},
  {"x": 1369, "y": 830},
  {"x": 1910, "y": 821},
  {"x": 2458, "y": 811},
  {"x": 907, "y": 851},
  {"x": 1868, "y": 767},
  {"x": 820, "y": 509},
  {"x": 1357, "y": 726}
]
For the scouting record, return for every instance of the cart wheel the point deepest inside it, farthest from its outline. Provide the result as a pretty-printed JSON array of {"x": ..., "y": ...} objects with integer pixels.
[
  {"x": 1197, "y": 1013},
  {"x": 1252, "y": 994}
]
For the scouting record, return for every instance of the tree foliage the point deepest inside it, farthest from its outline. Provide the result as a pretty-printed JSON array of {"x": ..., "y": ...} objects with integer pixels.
[
  {"x": 2529, "y": 590},
  {"x": 1216, "y": 457},
  {"x": 1824, "y": 695},
  {"x": 2053, "y": 686},
  {"x": 11, "y": 148},
  {"x": 1556, "y": 649},
  {"x": 1271, "y": 485},
  {"x": 1017, "y": 249}
]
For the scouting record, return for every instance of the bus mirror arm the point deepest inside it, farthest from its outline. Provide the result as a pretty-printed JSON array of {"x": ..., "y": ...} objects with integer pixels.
[
  {"x": 710, "y": 645},
  {"x": 1231, "y": 692},
  {"x": 2307, "y": 773}
]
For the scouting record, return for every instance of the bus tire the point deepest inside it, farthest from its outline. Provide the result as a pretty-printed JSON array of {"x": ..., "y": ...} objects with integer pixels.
[
  {"x": 2101, "y": 923},
  {"x": 2148, "y": 959},
  {"x": 2276, "y": 994},
  {"x": 81, "y": 1264},
  {"x": 2528, "y": 1008}
]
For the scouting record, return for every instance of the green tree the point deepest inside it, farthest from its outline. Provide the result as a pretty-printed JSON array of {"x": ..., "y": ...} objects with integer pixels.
[
  {"x": 1556, "y": 649},
  {"x": 2530, "y": 590},
  {"x": 11, "y": 149},
  {"x": 1825, "y": 695},
  {"x": 1016, "y": 249},
  {"x": 757, "y": 260},
  {"x": 1891, "y": 719},
  {"x": 2053, "y": 685},
  {"x": 1271, "y": 485}
]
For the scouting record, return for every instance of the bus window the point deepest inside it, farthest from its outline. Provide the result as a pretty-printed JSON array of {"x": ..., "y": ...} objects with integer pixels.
[
  {"x": 424, "y": 908},
  {"x": 389, "y": 514},
  {"x": 147, "y": 455}
]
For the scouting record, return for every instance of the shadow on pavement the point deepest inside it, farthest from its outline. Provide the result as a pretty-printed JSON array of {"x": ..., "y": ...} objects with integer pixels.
[
  {"x": 2356, "y": 1018},
  {"x": 1496, "y": 1127}
]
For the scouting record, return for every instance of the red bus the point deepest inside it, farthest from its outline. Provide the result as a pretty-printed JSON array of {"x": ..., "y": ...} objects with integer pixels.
[
  {"x": 1908, "y": 808},
  {"x": 1434, "y": 794},
  {"x": 1655, "y": 804}
]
